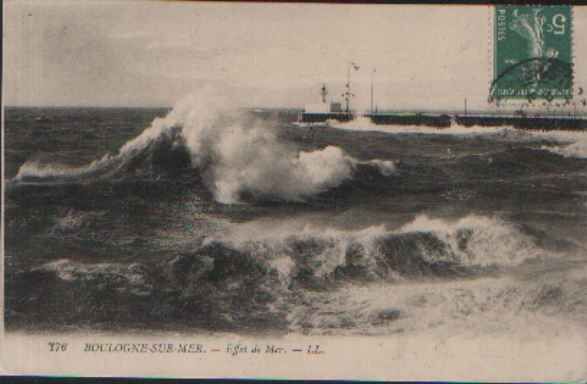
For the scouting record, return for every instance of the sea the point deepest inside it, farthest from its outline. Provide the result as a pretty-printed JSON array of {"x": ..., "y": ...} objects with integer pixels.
[{"x": 207, "y": 218}]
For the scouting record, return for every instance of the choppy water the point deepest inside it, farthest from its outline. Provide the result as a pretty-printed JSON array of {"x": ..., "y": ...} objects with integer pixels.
[{"x": 214, "y": 219}]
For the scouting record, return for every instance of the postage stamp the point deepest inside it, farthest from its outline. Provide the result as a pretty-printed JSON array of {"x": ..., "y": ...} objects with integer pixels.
[{"x": 532, "y": 52}]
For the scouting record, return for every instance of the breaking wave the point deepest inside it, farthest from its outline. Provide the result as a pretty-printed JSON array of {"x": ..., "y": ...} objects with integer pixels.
[
  {"x": 156, "y": 152},
  {"x": 254, "y": 277},
  {"x": 577, "y": 149},
  {"x": 365, "y": 124},
  {"x": 564, "y": 143},
  {"x": 236, "y": 155},
  {"x": 423, "y": 247}
]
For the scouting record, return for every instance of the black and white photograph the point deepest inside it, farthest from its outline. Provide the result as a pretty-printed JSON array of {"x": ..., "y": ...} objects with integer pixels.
[{"x": 348, "y": 191}]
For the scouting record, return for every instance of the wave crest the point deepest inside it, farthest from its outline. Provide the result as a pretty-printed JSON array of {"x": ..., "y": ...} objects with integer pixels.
[
  {"x": 425, "y": 247},
  {"x": 238, "y": 157}
]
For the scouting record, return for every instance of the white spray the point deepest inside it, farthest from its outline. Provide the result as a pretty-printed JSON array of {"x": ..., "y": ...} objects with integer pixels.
[
  {"x": 249, "y": 158},
  {"x": 236, "y": 154}
]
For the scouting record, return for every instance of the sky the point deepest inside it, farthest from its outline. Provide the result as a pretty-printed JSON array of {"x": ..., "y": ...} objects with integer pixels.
[{"x": 153, "y": 53}]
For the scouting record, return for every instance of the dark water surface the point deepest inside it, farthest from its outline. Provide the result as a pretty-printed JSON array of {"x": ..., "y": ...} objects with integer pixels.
[{"x": 227, "y": 221}]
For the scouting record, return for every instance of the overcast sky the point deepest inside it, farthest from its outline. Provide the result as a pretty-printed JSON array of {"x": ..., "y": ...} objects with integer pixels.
[{"x": 152, "y": 53}]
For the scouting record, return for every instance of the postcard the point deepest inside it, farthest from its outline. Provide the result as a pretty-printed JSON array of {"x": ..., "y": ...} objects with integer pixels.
[{"x": 295, "y": 190}]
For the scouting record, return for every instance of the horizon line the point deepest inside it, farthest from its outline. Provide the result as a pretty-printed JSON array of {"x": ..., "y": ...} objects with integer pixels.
[{"x": 428, "y": 109}]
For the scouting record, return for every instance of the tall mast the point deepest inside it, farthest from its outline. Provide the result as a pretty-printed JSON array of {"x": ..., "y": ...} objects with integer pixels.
[
  {"x": 372, "y": 75},
  {"x": 347, "y": 93}
]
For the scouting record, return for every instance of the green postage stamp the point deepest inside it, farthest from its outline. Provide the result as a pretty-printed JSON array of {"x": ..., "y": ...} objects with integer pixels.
[{"x": 532, "y": 53}]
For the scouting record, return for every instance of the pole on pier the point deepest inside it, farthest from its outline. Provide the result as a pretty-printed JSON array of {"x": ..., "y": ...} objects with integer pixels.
[
  {"x": 372, "y": 75},
  {"x": 465, "y": 106},
  {"x": 323, "y": 93},
  {"x": 347, "y": 93}
]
